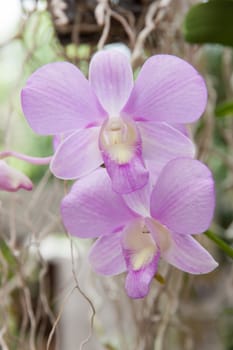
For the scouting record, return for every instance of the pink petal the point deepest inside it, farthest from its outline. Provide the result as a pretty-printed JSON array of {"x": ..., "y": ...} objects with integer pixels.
[
  {"x": 77, "y": 155},
  {"x": 167, "y": 89},
  {"x": 111, "y": 77},
  {"x": 162, "y": 143},
  {"x": 59, "y": 138},
  {"x": 139, "y": 200},
  {"x": 183, "y": 198},
  {"x": 182, "y": 128},
  {"x": 58, "y": 98},
  {"x": 127, "y": 177},
  {"x": 188, "y": 255},
  {"x": 92, "y": 209},
  {"x": 141, "y": 256},
  {"x": 106, "y": 256},
  {"x": 12, "y": 180}
]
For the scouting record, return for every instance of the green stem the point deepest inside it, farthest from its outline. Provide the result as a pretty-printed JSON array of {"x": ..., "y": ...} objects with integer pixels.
[{"x": 220, "y": 243}]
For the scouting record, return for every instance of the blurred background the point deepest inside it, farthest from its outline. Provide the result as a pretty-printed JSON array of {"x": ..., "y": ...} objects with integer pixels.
[{"x": 49, "y": 297}]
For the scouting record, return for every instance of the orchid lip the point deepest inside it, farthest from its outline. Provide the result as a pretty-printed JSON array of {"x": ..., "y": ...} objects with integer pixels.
[
  {"x": 139, "y": 245},
  {"x": 143, "y": 239}
]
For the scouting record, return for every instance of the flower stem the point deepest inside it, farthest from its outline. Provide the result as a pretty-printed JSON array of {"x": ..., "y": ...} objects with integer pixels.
[
  {"x": 28, "y": 159},
  {"x": 220, "y": 243}
]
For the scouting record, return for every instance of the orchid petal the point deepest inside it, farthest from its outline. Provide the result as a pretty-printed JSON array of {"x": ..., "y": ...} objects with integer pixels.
[
  {"x": 167, "y": 89},
  {"x": 92, "y": 209},
  {"x": 182, "y": 128},
  {"x": 141, "y": 256},
  {"x": 58, "y": 98},
  {"x": 106, "y": 256},
  {"x": 162, "y": 143},
  {"x": 183, "y": 198},
  {"x": 111, "y": 78},
  {"x": 59, "y": 138},
  {"x": 139, "y": 200},
  {"x": 188, "y": 255},
  {"x": 77, "y": 155}
]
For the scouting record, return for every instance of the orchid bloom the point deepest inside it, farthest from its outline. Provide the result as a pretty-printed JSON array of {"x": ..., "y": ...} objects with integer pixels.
[
  {"x": 155, "y": 223},
  {"x": 111, "y": 120},
  {"x": 12, "y": 180}
]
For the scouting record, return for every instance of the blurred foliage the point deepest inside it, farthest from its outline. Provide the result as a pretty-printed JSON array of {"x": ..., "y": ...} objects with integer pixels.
[
  {"x": 214, "y": 67},
  {"x": 224, "y": 246},
  {"x": 8, "y": 257},
  {"x": 210, "y": 22},
  {"x": 224, "y": 109},
  {"x": 226, "y": 326}
]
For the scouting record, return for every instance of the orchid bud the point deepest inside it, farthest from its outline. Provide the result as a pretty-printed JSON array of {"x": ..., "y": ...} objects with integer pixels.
[{"x": 12, "y": 180}]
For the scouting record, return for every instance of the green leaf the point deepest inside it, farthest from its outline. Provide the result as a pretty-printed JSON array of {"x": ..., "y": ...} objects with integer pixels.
[
  {"x": 220, "y": 243},
  {"x": 7, "y": 254},
  {"x": 9, "y": 259},
  {"x": 224, "y": 109},
  {"x": 210, "y": 22}
]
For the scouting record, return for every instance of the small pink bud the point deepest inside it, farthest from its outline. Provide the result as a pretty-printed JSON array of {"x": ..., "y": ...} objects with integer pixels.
[{"x": 12, "y": 180}]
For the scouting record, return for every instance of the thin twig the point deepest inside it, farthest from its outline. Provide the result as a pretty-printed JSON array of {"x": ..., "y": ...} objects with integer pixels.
[
  {"x": 58, "y": 318},
  {"x": 86, "y": 340}
]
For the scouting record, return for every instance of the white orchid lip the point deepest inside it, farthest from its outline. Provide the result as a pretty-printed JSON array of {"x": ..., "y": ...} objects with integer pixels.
[
  {"x": 118, "y": 138},
  {"x": 145, "y": 239},
  {"x": 140, "y": 244},
  {"x": 145, "y": 252}
]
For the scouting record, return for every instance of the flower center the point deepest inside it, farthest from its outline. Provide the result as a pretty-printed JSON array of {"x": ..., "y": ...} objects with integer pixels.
[
  {"x": 118, "y": 138},
  {"x": 139, "y": 243},
  {"x": 145, "y": 253}
]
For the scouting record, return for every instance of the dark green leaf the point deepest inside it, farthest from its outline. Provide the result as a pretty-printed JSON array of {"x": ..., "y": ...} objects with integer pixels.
[
  {"x": 224, "y": 109},
  {"x": 210, "y": 22}
]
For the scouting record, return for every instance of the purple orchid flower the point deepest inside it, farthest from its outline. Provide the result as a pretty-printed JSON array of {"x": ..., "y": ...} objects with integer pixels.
[
  {"x": 155, "y": 223},
  {"x": 112, "y": 120},
  {"x": 12, "y": 180}
]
